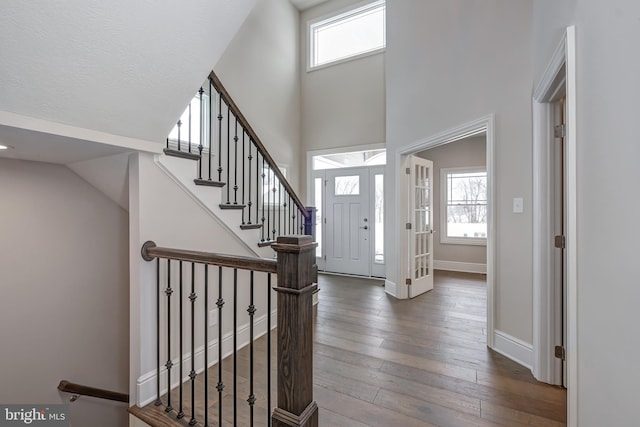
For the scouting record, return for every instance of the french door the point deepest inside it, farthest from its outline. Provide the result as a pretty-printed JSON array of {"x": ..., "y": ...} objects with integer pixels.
[{"x": 420, "y": 226}]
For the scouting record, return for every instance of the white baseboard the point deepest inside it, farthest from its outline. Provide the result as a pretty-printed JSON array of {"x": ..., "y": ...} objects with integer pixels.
[
  {"x": 464, "y": 267},
  {"x": 513, "y": 348},
  {"x": 391, "y": 288},
  {"x": 147, "y": 385}
]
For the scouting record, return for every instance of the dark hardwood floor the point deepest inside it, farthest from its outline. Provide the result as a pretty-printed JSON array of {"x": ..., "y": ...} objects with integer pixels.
[
  {"x": 383, "y": 362},
  {"x": 386, "y": 362}
]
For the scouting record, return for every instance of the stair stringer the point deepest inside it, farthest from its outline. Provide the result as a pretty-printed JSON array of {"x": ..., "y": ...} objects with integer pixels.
[{"x": 182, "y": 172}]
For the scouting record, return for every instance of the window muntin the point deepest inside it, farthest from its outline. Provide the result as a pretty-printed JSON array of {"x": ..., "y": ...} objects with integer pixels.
[
  {"x": 356, "y": 32},
  {"x": 464, "y": 206}
]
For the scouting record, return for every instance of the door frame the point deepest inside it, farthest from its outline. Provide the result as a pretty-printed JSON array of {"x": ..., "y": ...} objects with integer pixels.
[
  {"x": 312, "y": 174},
  {"x": 482, "y": 125},
  {"x": 559, "y": 74}
]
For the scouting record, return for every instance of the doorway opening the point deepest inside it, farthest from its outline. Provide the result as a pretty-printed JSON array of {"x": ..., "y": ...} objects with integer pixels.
[
  {"x": 483, "y": 126},
  {"x": 347, "y": 188},
  {"x": 555, "y": 289},
  {"x": 457, "y": 231}
]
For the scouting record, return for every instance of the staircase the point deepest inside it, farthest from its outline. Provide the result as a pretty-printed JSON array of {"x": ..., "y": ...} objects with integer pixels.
[
  {"x": 214, "y": 314},
  {"x": 225, "y": 164}
]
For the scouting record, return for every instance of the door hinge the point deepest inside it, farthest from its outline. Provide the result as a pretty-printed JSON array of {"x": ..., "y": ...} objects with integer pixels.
[
  {"x": 408, "y": 171},
  {"x": 325, "y": 182},
  {"x": 560, "y": 131},
  {"x": 325, "y": 257},
  {"x": 408, "y": 226},
  {"x": 408, "y": 282},
  {"x": 325, "y": 220},
  {"x": 560, "y": 242},
  {"x": 559, "y": 352}
]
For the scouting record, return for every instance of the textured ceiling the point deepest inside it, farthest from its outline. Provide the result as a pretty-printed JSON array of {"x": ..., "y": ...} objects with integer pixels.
[{"x": 121, "y": 67}]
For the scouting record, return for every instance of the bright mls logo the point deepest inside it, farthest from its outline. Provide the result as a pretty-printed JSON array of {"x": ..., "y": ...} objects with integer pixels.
[{"x": 36, "y": 415}]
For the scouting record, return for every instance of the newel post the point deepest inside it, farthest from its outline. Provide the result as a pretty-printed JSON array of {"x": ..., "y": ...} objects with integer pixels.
[
  {"x": 310, "y": 222},
  {"x": 296, "y": 259}
]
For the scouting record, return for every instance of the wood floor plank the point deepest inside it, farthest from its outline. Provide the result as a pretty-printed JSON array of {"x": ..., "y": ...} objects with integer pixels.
[{"x": 383, "y": 362}]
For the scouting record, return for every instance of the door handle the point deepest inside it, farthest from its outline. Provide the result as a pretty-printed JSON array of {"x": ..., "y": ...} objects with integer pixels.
[{"x": 366, "y": 227}]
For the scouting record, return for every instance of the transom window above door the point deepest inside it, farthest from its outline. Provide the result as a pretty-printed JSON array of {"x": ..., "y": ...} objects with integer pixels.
[{"x": 348, "y": 160}]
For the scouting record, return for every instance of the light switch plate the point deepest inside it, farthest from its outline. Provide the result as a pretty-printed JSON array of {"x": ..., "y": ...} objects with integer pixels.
[{"x": 518, "y": 205}]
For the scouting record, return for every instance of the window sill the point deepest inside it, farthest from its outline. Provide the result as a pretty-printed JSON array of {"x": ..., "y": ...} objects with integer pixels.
[
  {"x": 344, "y": 60},
  {"x": 470, "y": 241}
]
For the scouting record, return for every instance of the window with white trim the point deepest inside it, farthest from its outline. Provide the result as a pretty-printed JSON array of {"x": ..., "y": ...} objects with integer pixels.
[
  {"x": 354, "y": 33},
  {"x": 463, "y": 215},
  {"x": 190, "y": 130}
]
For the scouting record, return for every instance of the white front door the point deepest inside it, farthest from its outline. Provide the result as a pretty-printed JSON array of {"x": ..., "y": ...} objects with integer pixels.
[
  {"x": 349, "y": 226},
  {"x": 420, "y": 226}
]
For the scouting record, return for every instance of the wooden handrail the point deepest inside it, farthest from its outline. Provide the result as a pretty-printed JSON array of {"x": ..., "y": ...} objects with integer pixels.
[
  {"x": 151, "y": 251},
  {"x": 84, "y": 390},
  {"x": 217, "y": 84}
]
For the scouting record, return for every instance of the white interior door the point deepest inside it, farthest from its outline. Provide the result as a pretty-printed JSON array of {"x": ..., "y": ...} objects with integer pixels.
[
  {"x": 348, "y": 226},
  {"x": 420, "y": 226}
]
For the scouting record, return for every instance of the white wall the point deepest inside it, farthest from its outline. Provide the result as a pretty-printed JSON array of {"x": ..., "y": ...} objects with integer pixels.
[
  {"x": 260, "y": 69},
  {"x": 166, "y": 213},
  {"x": 469, "y": 152},
  {"x": 64, "y": 283},
  {"x": 122, "y": 68},
  {"x": 342, "y": 105},
  {"x": 448, "y": 63},
  {"x": 607, "y": 153}
]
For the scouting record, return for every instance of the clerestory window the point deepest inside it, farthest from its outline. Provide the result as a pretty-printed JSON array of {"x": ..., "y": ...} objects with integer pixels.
[{"x": 350, "y": 34}]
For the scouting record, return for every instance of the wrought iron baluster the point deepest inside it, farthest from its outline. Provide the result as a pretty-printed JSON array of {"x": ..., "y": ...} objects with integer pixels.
[
  {"x": 289, "y": 214},
  {"x": 235, "y": 346},
  {"x": 190, "y": 126},
  {"x": 258, "y": 190},
  {"x": 192, "y": 374},
  {"x": 280, "y": 210},
  {"x": 262, "y": 191},
  {"x": 243, "y": 172},
  {"x": 251, "y": 310},
  {"x": 220, "y": 385},
  {"x": 219, "y": 137},
  {"x": 228, "y": 155},
  {"x": 180, "y": 295},
  {"x": 269, "y": 349},
  {"x": 249, "y": 203},
  {"x": 269, "y": 174},
  {"x": 169, "y": 364},
  {"x": 200, "y": 146},
  {"x": 206, "y": 345},
  {"x": 179, "y": 124},
  {"x": 210, "y": 127},
  {"x": 158, "y": 401},
  {"x": 235, "y": 171},
  {"x": 274, "y": 205}
]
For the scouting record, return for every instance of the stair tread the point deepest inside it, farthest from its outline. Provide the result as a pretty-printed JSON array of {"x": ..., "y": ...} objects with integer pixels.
[
  {"x": 209, "y": 183},
  {"x": 232, "y": 206},
  {"x": 182, "y": 154},
  {"x": 265, "y": 243},
  {"x": 250, "y": 226}
]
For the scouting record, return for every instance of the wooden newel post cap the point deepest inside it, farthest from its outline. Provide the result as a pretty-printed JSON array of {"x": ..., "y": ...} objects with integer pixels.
[{"x": 294, "y": 244}]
